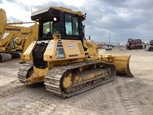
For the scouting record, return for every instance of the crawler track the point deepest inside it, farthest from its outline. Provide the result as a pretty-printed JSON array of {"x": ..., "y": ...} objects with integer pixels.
[
  {"x": 54, "y": 76},
  {"x": 22, "y": 75}
]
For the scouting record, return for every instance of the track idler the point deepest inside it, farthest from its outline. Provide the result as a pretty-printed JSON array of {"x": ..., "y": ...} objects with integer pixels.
[{"x": 120, "y": 61}]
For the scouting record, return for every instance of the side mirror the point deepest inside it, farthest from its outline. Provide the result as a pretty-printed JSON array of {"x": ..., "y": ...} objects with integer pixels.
[{"x": 84, "y": 17}]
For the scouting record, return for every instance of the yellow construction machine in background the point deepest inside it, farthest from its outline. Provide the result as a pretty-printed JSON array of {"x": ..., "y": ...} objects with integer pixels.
[
  {"x": 17, "y": 38},
  {"x": 63, "y": 59}
]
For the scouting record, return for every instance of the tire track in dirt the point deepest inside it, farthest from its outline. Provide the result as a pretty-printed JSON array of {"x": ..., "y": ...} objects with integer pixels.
[
  {"x": 41, "y": 104},
  {"x": 9, "y": 73},
  {"x": 92, "y": 100},
  {"x": 115, "y": 103},
  {"x": 131, "y": 107},
  {"x": 6, "y": 80},
  {"x": 102, "y": 99},
  {"x": 142, "y": 94},
  {"x": 142, "y": 86},
  {"x": 36, "y": 108},
  {"x": 11, "y": 88}
]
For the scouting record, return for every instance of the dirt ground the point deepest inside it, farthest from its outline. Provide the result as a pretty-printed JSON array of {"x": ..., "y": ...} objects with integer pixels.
[{"x": 123, "y": 96}]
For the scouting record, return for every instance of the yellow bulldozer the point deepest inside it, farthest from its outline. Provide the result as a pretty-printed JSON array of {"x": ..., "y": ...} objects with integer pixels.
[
  {"x": 18, "y": 37},
  {"x": 63, "y": 59}
]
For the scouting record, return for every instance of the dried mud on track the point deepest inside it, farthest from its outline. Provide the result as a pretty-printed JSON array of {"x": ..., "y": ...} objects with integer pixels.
[{"x": 123, "y": 96}]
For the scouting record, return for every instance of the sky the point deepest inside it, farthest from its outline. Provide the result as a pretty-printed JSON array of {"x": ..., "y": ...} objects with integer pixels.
[{"x": 116, "y": 20}]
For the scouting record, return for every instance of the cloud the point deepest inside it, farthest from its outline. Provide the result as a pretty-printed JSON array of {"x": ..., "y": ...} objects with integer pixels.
[
  {"x": 52, "y": 3},
  {"x": 13, "y": 19},
  {"x": 1, "y": 1},
  {"x": 121, "y": 19}
]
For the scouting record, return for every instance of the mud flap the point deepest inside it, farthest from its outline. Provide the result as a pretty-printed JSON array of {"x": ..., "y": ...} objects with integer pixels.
[{"x": 121, "y": 62}]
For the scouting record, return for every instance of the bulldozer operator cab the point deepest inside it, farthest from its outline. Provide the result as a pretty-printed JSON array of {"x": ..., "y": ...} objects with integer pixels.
[{"x": 59, "y": 20}]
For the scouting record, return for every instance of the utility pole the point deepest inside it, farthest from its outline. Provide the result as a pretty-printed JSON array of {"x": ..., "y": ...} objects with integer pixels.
[
  {"x": 109, "y": 38},
  {"x": 117, "y": 42}
]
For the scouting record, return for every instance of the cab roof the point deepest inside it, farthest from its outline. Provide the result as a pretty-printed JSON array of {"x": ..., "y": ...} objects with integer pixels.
[{"x": 52, "y": 11}]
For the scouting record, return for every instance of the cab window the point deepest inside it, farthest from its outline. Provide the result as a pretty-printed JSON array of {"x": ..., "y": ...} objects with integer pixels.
[
  {"x": 71, "y": 25},
  {"x": 68, "y": 24},
  {"x": 47, "y": 28},
  {"x": 75, "y": 26}
]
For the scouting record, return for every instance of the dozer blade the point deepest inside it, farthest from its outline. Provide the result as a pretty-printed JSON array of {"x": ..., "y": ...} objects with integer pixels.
[{"x": 121, "y": 62}]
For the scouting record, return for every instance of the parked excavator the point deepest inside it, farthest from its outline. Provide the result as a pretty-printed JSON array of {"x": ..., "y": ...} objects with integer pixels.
[
  {"x": 17, "y": 38},
  {"x": 63, "y": 59}
]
